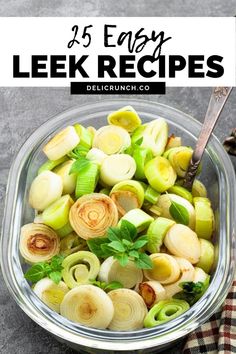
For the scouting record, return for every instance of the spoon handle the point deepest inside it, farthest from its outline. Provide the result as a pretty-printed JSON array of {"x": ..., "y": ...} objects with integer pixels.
[{"x": 217, "y": 101}]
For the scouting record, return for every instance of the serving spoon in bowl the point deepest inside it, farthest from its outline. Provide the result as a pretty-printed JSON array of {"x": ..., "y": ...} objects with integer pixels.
[{"x": 218, "y": 99}]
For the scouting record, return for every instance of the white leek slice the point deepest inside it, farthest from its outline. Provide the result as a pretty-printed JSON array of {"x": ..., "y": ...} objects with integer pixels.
[
  {"x": 130, "y": 310},
  {"x": 44, "y": 190},
  {"x": 117, "y": 168},
  {"x": 57, "y": 214},
  {"x": 179, "y": 158},
  {"x": 132, "y": 186},
  {"x": 181, "y": 241},
  {"x": 164, "y": 203},
  {"x": 50, "y": 293},
  {"x": 199, "y": 275},
  {"x": 156, "y": 233},
  {"x": 187, "y": 272},
  {"x": 128, "y": 276},
  {"x": 68, "y": 179},
  {"x": 207, "y": 255},
  {"x": 204, "y": 217},
  {"x": 126, "y": 117},
  {"x": 138, "y": 218},
  {"x": 96, "y": 155},
  {"x": 173, "y": 141},
  {"x": 198, "y": 189},
  {"x": 62, "y": 143},
  {"x": 79, "y": 268},
  {"x": 165, "y": 268},
  {"x": 152, "y": 292},
  {"x": 38, "y": 243},
  {"x": 89, "y": 306},
  {"x": 155, "y": 136},
  {"x": 111, "y": 139},
  {"x": 92, "y": 214}
]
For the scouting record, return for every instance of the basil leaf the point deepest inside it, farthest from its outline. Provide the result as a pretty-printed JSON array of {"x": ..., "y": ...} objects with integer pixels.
[
  {"x": 134, "y": 254},
  {"x": 113, "y": 286},
  {"x": 117, "y": 245},
  {"x": 107, "y": 250},
  {"x": 99, "y": 284},
  {"x": 140, "y": 242},
  {"x": 56, "y": 262},
  {"x": 55, "y": 277},
  {"x": 113, "y": 234},
  {"x": 95, "y": 246},
  {"x": 179, "y": 213},
  {"x": 144, "y": 261},
  {"x": 126, "y": 243},
  {"x": 128, "y": 230},
  {"x": 36, "y": 272},
  {"x": 122, "y": 258},
  {"x": 79, "y": 165}
]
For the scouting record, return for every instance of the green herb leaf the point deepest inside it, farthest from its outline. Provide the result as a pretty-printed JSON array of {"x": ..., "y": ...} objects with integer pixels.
[
  {"x": 55, "y": 276},
  {"x": 122, "y": 258},
  {"x": 127, "y": 243},
  {"x": 79, "y": 165},
  {"x": 117, "y": 245},
  {"x": 114, "y": 234},
  {"x": 113, "y": 286},
  {"x": 36, "y": 272},
  {"x": 144, "y": 261},
  {"x": 179, "y": 213},
  {"x": 95, "y": 246},
  {"x": 139, "y": 141},
  {"x": 140, "y": 242},
  {"x": 128, "y": 230},
  {"x": 192, "y": 292},
  {"x": 134, "y": 254},
  {"x": 56, "y": 262}
]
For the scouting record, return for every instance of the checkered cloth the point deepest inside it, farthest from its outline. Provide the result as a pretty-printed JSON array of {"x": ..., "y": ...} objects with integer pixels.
[{"x": 218, "y": 335}]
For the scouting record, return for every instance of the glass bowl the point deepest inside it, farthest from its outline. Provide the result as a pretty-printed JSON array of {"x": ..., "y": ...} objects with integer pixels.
[{"x": 218, "y": 175}]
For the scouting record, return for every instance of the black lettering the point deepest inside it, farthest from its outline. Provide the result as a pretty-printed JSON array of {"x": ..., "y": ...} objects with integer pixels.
[
  {"x": 218, "y": 69},
  {"x": 162, "y": 66},
  {"x": 141, "y": 63},
  {"x": 106, "y": 67},
  {"x": 193, "y": 65},
  {"x": 36, "y": 66},
  {"x": 16, "y": 68},
  {"x": 74, "y": 66},
  {"x": 55, "y": 66},
  {"x": 107, "y": 35},
  {"x": 176, "y": 63},
  {"x": 124, "y": 65}
]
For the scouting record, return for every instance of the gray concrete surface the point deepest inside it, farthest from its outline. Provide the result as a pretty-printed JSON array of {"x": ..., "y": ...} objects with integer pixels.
[{"x": 22, "y": 110}]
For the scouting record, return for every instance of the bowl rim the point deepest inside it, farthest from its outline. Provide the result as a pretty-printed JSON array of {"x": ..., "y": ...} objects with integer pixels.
[{"x": 92, "y": 337}]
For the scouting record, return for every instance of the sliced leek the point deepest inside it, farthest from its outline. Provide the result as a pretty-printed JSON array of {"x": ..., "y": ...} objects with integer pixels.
[
  {"x": 57, "y": 214},
  {"x": 62, "y": 143},
  {"x": 65, "y": 230},
  {"x": 129, "y": 310},
  {"x": 160, "y": 174},
  {"x": 204, "y": 217},
  {"x": 182, "y": 192},
  {"x": 117, "y": 168},
  {"x": 173, "y": 141},
  {"x": 38, "y": 243},
  {"x": 128, "y": 276},
  {"x": 87, "y": 180},
  {"x": 89, "y": 306},
  {"x": 165, "y": 268},
  {"x": 181, "y": 241},
  {"x": 79, "y": 268},
  {"x": 207, "y": 255},
  {"x": 50, "y": 165},
  {"x": 157, "y": 232},
  {"x": 111, "y": 139},
  {"x": 50, "y": 293},
  {"x": 187, "y": 273},
  {"x": 152, "y": 292},
  {"x": 165, "y": 311},
  {"x": 72, "y": 243},
  {"x": 68, "y": 179},
  {"x": 155, "y": 136},
  {"x": 45, "y": 189},
  {"x": 92, "y": 215},
  {"x": 200, "y": 275},
  {"x": 150, "y": 195},
  {"x": 96, "y": 155},
  {"x": 179, "y": 158},
  {"x": 138, "y": 218},
  {"x": 85, "y": 136},
  {"x": 126, "y": 117},
  {"x": 141, "y": 157},
  {"x": 198, "y": 189}
]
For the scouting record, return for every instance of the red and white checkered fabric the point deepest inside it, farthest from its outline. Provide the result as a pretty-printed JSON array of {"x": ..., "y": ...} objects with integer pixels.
[{"x": 218, "y": 335}]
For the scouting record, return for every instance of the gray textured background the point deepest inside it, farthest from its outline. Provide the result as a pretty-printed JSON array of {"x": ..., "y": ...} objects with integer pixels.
[{"x": 22, "y": 110}]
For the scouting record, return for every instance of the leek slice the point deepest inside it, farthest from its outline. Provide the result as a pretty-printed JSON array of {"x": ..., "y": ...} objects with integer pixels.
[
  {"x": 159, "y": 173},
  {"x": 165, "y": 311},
  {"x": 84, "y": 135},
  {"x": 111, "y": 139},
  {"x": 105, "y": 191},
  {"x": 128, "y": 276},
  {"x": 138, "y": 133},
  {"x": 62, "y": 143},
  {"x": 87, "y": 180},
  {"x": 138, "y": 218},
  {"x": 57, "y": 214},
  {"x": 68, "y": 179},
  {"x": 65, "y": 230},
  {"x": 200, "y": 275},
  {"x": 117, "y": 168},
  {"x": 79, "y": 268},
  {"x": 45, "y": 189},
  {"x": 165, "y": 268},
  {"x": 182, "y": 192},
  {"x": 129, "y": 310},
  {"x": 164, "y": 203},
  {"x": 89, "y": 306},
  {"x": 50, "y": 293},
  {"x": 150, "y": 195},
  {"x": 207, "y": 255},
  {"x": 187, "y": 272},
  {"x": 92, "y": 215},
  {"x": 179, "y": 158},
  {"x": 204, "y": 217},
  {"x": 72, "y": 243},
  {"x": 157, "y": 232},
  {"x": 173, "y": 141},
  {"x": 155, "y": 136},
  {"x": 126, "y": 117},
  {"x": 96, "y": 155},
  {"x": 181, "y": 241},
  {"x": 152, "y": 292},
  {"x": 198, "y": 189},
  {"x": 50, "y": 165},
  {"x": 141, "y": 157},
  {"x": 38, "y": 243}
]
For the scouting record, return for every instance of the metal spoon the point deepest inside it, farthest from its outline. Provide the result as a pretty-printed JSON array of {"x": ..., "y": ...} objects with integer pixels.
[{"x": 218, "y": 99}]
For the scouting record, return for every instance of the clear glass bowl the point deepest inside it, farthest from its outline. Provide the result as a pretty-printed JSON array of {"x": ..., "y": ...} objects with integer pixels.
[{"x": 218, "y": 175}]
